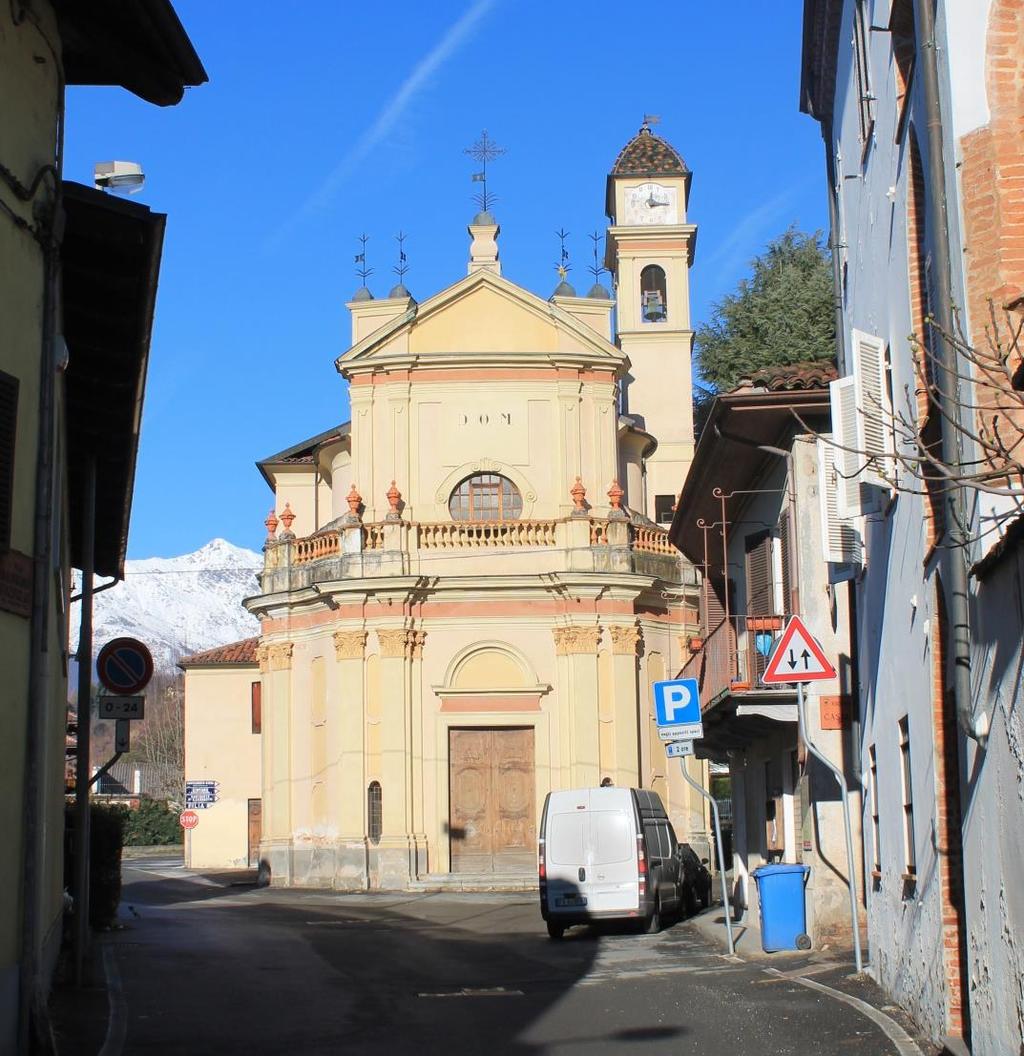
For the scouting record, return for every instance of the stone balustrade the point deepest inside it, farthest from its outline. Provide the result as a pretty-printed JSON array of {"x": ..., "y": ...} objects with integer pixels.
[{"x": 395, "y": 548}]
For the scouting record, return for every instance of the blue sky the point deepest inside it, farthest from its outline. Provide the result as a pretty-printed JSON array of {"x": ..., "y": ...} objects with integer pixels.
[{"x": 352, "y": 118}]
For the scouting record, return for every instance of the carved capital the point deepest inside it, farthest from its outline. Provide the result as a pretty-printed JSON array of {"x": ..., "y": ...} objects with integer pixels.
[
  {"x": 278, "y": 656},
  {"x": 419, "y": 638},
  {"x": 263, "y": 657},
  {"x": 576, "y": 640},
  {"x": 349, "y": 645},
  {"x": 394, "y": 643},
  {"x": 625, "y": 640}
]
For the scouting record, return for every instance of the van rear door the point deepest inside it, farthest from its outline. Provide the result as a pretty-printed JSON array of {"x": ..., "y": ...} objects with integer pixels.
[
  {"x": 566, "y": 837},
  {"x": 611, "y": 880}
]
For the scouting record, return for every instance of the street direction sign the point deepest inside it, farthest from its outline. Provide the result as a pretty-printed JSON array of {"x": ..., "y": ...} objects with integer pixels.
[
  {"x": 122, "y": 735},
  {"x": 121, "y": 707},
  {"x": 797, "y": 658},
  {"x": 677, "y": 701},
  {"x": 686, "y": 731},
  {"x": 679, "y": 749},
  {"x": 200, "y": 794},
  {"x": 124, "y": 666},
  {"x": 188, "y": 819}
]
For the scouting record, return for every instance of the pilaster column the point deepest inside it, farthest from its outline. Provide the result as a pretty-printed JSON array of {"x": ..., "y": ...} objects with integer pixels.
[
  {"x": 275, "y": 660},
  {"x": 579, "y": 645},
  {"x": 349, "y": 785},
  {"x": 626, "y": 642},
  {"x": 395, "y": 852}
]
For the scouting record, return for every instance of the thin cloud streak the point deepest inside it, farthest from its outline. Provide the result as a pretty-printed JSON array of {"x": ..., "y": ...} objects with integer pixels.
[
  {"x": 737, "y": 247},
  {"x": 455, "y": 36}
]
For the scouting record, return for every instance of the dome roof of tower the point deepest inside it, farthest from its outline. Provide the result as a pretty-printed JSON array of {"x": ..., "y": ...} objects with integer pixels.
[
  {"x": 564, "y": 289},
  {"x": 649, "y": 155},
  {"x": 399, "y": 291},
  {"x": 599, "y": 292},
  {"x": 362, "y": 294}
]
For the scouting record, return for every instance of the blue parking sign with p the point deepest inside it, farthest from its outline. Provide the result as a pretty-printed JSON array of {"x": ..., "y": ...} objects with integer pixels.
[{"x": 677, "y": 701}]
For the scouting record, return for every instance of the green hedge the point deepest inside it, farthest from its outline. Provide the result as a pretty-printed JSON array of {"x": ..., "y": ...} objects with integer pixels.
[{"x": 153, "y": 824}]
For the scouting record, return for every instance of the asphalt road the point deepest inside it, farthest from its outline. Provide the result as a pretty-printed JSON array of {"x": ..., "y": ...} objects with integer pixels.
[{"x": 205, "y": 967}]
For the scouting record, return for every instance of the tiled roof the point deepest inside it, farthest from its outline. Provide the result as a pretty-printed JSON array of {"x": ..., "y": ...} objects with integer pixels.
[
  {"x": 792, "y": 376},
  {"x": 648, "y": 155},
  {"x": 239, "y": 654}
]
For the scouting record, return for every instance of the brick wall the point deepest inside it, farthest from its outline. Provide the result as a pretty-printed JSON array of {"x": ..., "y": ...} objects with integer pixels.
[{"x": 992, "y": 182}]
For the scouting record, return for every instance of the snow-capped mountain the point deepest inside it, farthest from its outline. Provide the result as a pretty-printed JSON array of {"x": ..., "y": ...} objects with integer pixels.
[{"x": 179, "y": 605}]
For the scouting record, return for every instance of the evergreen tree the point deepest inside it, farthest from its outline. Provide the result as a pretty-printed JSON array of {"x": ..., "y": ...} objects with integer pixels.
[{"x": 781, "y": 314}]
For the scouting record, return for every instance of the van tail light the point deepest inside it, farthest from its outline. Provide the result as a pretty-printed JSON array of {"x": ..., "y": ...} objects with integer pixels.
[
  {"x": 542, "y": 869},
  {"x": 641, "y": 866}
]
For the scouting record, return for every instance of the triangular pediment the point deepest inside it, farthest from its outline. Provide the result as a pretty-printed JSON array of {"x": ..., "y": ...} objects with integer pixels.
[{"x": 482, "y": 319}]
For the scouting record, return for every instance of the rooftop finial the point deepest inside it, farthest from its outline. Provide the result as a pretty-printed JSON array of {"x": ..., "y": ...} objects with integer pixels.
[
  {"x": 484, "y": 150},
  {"x": 563, "y": 267},
  {"x": 363, "y": 293},
  {"x": 400, "y": 268},
  {"x": 597, "y": 269},
  {"x": 650, "y": 119}
]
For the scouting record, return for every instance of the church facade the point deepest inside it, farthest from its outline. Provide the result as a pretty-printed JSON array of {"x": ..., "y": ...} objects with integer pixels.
[{"x": 467, "y": 592}]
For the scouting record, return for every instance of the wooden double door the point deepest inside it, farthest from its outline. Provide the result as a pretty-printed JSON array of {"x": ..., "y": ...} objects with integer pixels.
[{"x": 493, "y": 827}]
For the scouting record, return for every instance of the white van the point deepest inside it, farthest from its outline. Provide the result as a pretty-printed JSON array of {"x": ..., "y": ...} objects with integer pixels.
[{"x": 607, "y": 854}]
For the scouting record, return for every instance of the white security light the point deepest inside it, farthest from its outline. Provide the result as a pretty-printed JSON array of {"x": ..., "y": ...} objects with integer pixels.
[{"x": 120, "y": 177}]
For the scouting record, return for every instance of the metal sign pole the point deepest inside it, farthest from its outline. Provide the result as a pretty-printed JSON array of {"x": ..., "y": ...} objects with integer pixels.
[
  {"x": 816, "y": 751},
  {"x": 726, "y": 904}
]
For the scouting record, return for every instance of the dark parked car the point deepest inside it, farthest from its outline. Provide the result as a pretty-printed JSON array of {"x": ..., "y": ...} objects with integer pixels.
[{"x": 696, "y": 879}]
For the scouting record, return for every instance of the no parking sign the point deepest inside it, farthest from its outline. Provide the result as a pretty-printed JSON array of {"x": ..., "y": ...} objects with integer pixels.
[{"x": 124, "y": 666}]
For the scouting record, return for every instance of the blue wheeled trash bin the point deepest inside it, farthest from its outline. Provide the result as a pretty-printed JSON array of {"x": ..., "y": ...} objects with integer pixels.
[{"x": 780, "y": 895}]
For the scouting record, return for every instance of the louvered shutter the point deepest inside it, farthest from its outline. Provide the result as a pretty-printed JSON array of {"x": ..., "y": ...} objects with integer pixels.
[
  {"x": 840, "y": 539},
  {"x": 854, "y": 497},
  {"x": 8, "y": 432},
  {"x": 873, "y": 409},
  {"x": 790, "y": 603},
  {"x": 760, "y": 592}
]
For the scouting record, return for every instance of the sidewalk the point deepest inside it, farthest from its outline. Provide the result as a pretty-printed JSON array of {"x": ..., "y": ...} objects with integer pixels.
[{"x": 829, "y": 969}]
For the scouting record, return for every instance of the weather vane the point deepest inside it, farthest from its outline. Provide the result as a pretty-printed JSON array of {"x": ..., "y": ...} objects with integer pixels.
[
  {"x": 363, "y": 271},
  {"x": 484, "y": 150},
  {"x": 402, "y": 266},
  {"x": 563, "y": 267},
  {"x": 651, "y": 119},
  {"x": 597, "y": 269}
]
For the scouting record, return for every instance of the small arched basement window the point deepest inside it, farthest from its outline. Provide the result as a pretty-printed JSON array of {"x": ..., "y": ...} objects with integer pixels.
[
  {"x": 374, "y": 812},
  {"x": 653, "y": 294},
  {"x": 486, "y": 497}
]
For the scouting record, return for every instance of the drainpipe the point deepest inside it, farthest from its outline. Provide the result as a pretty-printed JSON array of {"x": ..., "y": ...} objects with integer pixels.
[
  {"x": 959, "y": 643},
  {"x": 834, "y": 244}
]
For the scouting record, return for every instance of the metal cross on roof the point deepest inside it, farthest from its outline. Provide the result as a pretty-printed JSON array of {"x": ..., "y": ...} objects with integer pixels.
[
  {"x": 563, "y": 267},
  {"x": 402, "y": 266},
  {"x": 363, "y": 271},
  {"x": 597, "y": 269},
  {"x": 484, "y": 150}
]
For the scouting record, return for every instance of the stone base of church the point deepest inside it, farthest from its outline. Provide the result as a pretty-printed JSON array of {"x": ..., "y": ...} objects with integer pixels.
[{"x": 346, "y": 864}]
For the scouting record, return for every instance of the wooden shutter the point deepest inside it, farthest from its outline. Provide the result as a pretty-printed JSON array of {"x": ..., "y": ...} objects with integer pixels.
[
  {"x": 790, "y": 602},
  {"x": 8, "y": 433},
  {"x": 854, "y": 497},
  {"x": 840, "y": 539},
  {"x": 257, "y": 707},
  {"x": 760, "y": 581},
  {"x": 873, "y": 409}
]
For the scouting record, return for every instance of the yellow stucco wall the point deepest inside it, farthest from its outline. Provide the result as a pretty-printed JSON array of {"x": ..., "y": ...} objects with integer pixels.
[
  {"x": 30, "y": 88},
  {"x": 220, "y": 746}
]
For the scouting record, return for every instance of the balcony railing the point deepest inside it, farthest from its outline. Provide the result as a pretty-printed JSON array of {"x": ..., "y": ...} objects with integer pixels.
[
  {"x": 583, "y": 544},
  {"x": 733, "y": 655}
]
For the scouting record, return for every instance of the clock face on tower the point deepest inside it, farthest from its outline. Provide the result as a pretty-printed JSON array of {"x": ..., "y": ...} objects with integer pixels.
[{"x": 651, "y": 203}]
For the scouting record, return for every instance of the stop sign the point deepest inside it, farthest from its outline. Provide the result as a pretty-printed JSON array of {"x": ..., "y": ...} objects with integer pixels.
[{"x": 189, "y": 819}]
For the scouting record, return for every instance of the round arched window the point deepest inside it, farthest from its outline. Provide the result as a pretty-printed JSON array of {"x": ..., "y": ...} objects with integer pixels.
[
  {"x": 486, "y": 497},
  {"x": 653, "y": 294}
]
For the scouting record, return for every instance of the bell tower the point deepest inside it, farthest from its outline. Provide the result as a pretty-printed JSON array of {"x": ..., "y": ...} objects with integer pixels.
[{"x": 649, "y": 251}]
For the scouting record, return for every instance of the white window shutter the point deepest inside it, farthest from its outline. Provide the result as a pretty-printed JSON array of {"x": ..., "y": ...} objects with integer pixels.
[
  {"x": 854, "y": 497},
  {"x": 874, "y": 413},
  {"x": 841, "y": 541}
]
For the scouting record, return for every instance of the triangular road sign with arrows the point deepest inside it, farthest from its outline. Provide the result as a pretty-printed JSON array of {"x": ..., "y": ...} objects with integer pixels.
[{"x": 798, "y": 657}]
